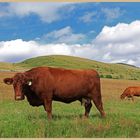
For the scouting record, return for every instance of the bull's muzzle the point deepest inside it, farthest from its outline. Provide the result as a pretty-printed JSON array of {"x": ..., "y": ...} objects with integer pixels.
[
  {"x": 122, "y": 97},
  {"x": 17, "y": 98}
]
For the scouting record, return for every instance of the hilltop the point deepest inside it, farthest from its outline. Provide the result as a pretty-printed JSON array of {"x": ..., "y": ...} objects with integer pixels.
[{"x": 106, "y": 70}]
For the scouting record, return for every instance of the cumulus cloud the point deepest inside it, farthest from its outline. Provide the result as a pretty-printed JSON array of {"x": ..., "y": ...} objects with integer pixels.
[
  {"x": 119, "y": 43},
  {"x": 14, "y": 50},
  {"x": 121, "y": 33},
  {"x": 115, "y": 44},
  {"x": 64, "y": 35},
  {"x": 18, "y": 50},
  {"x": 48, "y": 12}
]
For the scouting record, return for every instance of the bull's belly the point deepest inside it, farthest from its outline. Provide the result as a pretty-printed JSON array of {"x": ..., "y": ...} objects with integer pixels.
[
  {"x": 137, "y": 95},
  {"x": 65, "y": 100},
  {"x": 71, "y": 93},
  {"x": 32, "y": 103}
]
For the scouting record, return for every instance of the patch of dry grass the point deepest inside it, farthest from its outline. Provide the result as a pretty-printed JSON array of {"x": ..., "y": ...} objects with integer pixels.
[{"x": 6, "y": 92}]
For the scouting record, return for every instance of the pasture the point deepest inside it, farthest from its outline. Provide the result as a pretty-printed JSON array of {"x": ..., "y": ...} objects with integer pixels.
[{"x": 19, "y": 119}]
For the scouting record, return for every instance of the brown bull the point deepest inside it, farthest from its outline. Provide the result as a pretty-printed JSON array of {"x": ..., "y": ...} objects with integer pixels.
[
  {"x": 41, "y": 85},
  {"x": 130, "y": 92}
]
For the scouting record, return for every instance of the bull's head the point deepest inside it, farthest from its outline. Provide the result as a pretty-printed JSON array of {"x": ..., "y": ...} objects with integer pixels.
[
  {"x": 122, "y": 96},
  {"x": 18, "y": 82}
]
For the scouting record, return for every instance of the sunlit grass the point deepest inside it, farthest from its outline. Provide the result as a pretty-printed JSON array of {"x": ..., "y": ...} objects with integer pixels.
[{"x": 19, "y": 119}]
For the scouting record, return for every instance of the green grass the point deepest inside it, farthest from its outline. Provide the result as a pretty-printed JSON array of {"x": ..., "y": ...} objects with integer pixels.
[{"x": 18, "y": 119}]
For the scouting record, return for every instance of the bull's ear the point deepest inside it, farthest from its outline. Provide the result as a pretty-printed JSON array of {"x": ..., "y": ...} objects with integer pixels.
[{"x": 8, "y": 81}]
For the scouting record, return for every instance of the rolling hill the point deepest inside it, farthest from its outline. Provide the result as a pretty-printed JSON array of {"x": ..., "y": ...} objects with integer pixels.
[{"x": 106, "y": 70}]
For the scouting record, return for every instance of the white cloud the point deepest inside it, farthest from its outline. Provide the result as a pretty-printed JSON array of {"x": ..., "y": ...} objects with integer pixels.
[
  {"x": 48, "y": 12},
  {"x": 87, "y": 17},
  {"x": 14, "y": 50},
  {"x": 64, "y": 35},
  {"x": 112, "y": 13},
  {"x": 18, "y": 50},
  {"x": 120, "y": 43},
  {"x": 120, "y": 33}
]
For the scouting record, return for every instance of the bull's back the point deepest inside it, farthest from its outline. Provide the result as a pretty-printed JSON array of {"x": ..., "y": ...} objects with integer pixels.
[
  {"x": 73, "y": 77},
  {"x": 132, "y": 91}
]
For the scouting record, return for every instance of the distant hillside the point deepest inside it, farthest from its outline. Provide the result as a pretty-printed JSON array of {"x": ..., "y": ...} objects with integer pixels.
[
  {"x": 106, "y": 70},
  {"x": 127, "y": 65}
]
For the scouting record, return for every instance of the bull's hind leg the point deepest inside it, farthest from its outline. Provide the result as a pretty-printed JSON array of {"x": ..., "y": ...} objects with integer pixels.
[
  {"x": 99, "y": 105},
  {"x": 88, "y": 106}
]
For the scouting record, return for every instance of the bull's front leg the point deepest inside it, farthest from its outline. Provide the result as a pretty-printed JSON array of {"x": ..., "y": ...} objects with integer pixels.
[
  {"x": 48, "y": 108},
  {"x": 132, "y": 97}
]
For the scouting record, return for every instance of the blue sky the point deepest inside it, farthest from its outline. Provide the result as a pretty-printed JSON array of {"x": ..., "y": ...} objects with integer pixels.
[
  {"x": 31, "y": 26},
  {"x": 70, "y": 29}
]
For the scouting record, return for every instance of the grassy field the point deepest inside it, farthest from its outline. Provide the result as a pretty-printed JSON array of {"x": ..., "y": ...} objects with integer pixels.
[{"x": 19, "y": 119}]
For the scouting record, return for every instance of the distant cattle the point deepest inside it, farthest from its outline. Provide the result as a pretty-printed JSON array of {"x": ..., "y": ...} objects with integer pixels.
[
  {"x": 130, "y": 92},
  {"x": 41, "y": 85}
]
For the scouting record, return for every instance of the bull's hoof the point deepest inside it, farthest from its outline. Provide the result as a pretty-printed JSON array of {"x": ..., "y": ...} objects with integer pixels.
[
  {"x": 103, "y": 115},
  {"x": 85, "y": 117}
]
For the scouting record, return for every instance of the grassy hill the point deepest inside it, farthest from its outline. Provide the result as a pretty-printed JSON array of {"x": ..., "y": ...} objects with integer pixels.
[{"x": 106, "y": 70}]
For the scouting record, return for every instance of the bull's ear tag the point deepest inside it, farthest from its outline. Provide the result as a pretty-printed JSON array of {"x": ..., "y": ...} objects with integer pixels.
[{"x": 30, "y": 83}]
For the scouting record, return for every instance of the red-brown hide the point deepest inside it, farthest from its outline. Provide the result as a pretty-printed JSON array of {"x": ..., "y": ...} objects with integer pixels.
[
  {"x": 130, "y": 92},
  {"x": 41, "y": 85}
]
